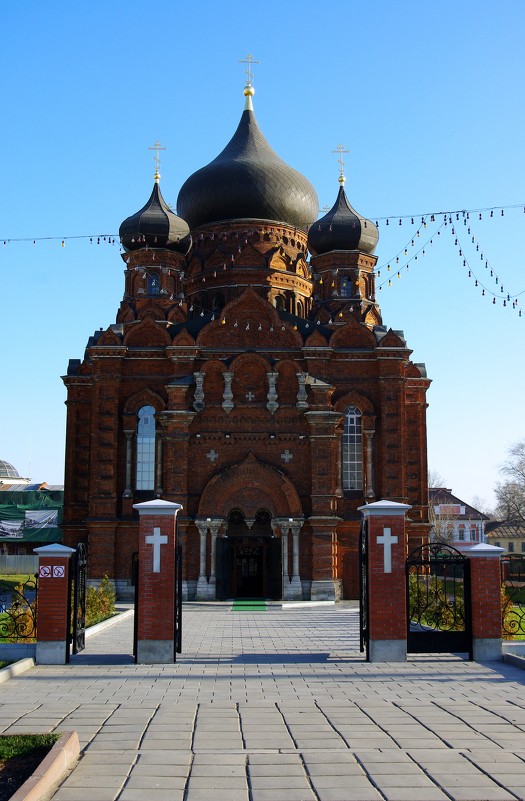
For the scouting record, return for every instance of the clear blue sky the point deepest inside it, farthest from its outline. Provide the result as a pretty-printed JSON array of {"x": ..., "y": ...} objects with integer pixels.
[{"x": 428, "y": 98}]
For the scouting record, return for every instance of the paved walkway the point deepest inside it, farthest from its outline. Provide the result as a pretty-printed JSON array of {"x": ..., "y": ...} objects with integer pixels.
[{"x": 276, "y": 706}]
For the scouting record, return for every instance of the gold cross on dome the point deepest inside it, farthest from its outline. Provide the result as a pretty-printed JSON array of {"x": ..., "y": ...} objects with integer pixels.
[
  {"x": 340, "y": 149},
  {"x": 249, "y": 60},
  {"x": 156, "y": 147}
]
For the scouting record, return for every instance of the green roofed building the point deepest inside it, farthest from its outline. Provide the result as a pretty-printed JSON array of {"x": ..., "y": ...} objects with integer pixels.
[{"x": 30, "y": 513}]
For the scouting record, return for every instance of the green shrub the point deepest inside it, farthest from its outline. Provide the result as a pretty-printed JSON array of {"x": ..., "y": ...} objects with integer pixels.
[
  {"x": 100, "y": 602},
  {"x": 432, "y": 604}
]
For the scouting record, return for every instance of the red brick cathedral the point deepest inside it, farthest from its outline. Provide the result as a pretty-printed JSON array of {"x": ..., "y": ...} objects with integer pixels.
[{"x": 250, "y": 378}]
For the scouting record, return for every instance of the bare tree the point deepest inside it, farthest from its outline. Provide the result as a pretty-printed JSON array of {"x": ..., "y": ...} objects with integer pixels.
[
  {"x": 482, "y": 506},
  {"x": 435, "y": 479},
  {"x": 441, "y": 524},
  {"x": 510, "y": 494}
]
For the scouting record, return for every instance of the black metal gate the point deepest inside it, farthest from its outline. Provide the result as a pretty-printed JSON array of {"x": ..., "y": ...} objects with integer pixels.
[
  {"x": 78, "y": 586},
  {"x": 363, "y": 588},
  {"x": 438, "y": 600},
  {"x": 178, "y": 601},
  {"x": 18, "y": 610},
  {"x": 513, "y": 596}
]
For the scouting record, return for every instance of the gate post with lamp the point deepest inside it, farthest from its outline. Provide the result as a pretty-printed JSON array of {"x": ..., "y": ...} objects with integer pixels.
[
  {"x": 53, "y": 604},
  {"x": 385, "y": 587},
  {"x": 157, "y": 607}
]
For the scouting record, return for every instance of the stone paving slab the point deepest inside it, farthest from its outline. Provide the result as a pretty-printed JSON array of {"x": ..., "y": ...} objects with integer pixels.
[{"x": 277, "y": 706}]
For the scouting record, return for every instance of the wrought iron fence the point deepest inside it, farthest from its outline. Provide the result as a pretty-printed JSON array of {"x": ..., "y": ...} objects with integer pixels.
[
  {"x": 438, "y": 600},
  {"x": 513, "y": 596},
  {"x": 18, "y": 610}
]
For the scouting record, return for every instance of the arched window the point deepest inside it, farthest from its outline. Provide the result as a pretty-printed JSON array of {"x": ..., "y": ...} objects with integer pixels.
[
  {"x": 146, "y": 448},
  {"x": 279, "y": 302},
  {"x": 352, "y": 450},
  {"x": 299, "y": 309},
  {"x": 153, "y": 284}
]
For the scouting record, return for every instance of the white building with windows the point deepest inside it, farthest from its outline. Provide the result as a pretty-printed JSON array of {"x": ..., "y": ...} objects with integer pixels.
[{"x": 453, "y": 520}]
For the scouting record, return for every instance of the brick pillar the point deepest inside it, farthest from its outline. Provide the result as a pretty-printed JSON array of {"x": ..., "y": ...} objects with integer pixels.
[
  {"x": 325, "y": 584},
  {"x": 485, "y": 595},
  {"x": 53, "y": 604},
  {"x": 387, "y": 553},
  {"x": 156, "y": 583}
]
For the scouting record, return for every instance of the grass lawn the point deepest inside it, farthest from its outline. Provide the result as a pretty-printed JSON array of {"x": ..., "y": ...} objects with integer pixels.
[
  {"x": 14, "y": 580},
  {"x": 20, "y": 755}
]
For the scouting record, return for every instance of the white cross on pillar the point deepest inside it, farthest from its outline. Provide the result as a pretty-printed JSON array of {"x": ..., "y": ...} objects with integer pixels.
[
  {"x": 250, "y": 396},
  {"x": 287, "y": 456},
  {"x": 387, "y": 540},
  {"x": 212, "y": 455},
  {"x": 156, "y": 539}
]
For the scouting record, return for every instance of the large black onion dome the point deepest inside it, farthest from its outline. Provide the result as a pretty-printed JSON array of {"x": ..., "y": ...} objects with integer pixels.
[
  {"x": 248, "y": 180},
  {"x": 155, "y": 226},
  {"x": 342, "y": 228}
]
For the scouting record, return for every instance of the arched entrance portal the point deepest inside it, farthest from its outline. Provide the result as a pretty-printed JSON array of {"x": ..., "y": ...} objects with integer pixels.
[
  {"x": 249, "y": 506},
  {"x": 249, "y": 558}
]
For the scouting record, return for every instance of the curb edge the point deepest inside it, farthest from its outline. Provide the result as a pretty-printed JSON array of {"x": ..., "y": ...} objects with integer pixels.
[{"x": 52, "y": 769}]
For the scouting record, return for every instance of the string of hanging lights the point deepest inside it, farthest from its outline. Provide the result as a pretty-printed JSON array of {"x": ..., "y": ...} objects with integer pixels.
[
  {"x": 465, "y": 213},
  {"x": 403, "y": 253},
  {"x": 400, "y": 262},
  {"x": 498, "y": 295},
  {"x": 98, "y": 239},
  {"x": 391, "y": 219},
  {"x": 505, "y": 298}
]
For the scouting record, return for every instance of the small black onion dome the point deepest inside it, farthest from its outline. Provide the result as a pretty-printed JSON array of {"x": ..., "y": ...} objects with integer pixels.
[
  {"x": 342, "y": 228},
  {"x": 248, "y": 180},
  {"x": 155, "y": 226}
]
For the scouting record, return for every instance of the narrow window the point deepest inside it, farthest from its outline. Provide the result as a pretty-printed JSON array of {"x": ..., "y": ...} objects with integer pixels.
[
  {"x": 218, "y": 303},
  {"x": 153, "y": 284},
  {"x": 146, "y": 448},
  {"x": 510, "y": 547},
  {"x": 352, "y": 450},
  {"x": 345, "y": 289}
]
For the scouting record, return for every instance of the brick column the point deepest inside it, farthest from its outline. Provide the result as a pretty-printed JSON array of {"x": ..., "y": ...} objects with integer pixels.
[
  {"x": 387, "y": 551},
  {"x": 485, "y": 599},
  {"x": 53, "y": 604},
  {"x": 156, "y": 582},
  {"x": 325, "y": 584}
]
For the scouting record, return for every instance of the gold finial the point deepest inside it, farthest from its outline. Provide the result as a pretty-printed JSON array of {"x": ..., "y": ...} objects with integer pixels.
[
  {"x": 249, "y": 60},
  {"x": 340, "y": 149},
  {"x": 156, "y": 147}
]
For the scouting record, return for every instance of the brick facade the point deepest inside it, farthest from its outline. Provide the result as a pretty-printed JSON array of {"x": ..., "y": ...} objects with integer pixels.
[{"x": 250, "y": 353}]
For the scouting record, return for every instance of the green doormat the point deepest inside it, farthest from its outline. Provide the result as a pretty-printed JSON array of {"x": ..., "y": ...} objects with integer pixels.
[{"x": 249, "y": 605}]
